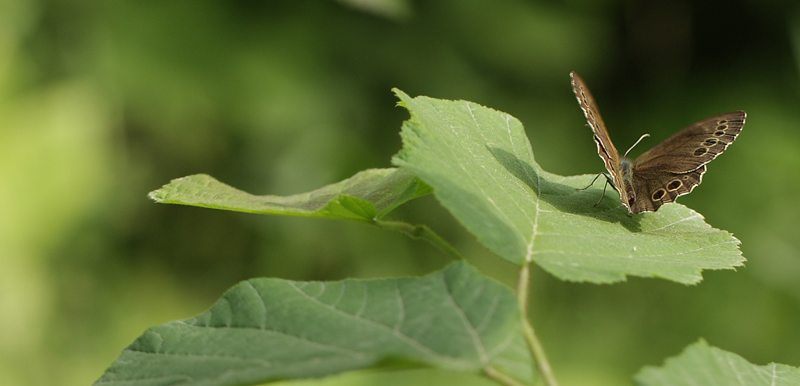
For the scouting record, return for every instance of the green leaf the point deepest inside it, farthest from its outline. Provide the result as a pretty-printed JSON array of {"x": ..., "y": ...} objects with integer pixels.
[
  {"x": 366, "y": 196},
  {"x": 701, "y": 364},
  {"x": 270, "y": 329},
  {"x": 391, "y": 9},
  {"x": 481, "y": 166}
]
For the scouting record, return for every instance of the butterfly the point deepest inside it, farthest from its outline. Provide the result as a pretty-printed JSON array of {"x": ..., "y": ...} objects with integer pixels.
[{"x": 670, "y": 169}]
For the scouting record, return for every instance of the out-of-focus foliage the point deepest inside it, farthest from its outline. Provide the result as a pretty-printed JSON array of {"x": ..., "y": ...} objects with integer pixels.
[
  {"x": 702, "y": 364},
  {"x": 102, "y": 102}
]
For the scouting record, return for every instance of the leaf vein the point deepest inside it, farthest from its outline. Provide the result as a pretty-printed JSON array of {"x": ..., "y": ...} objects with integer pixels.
[
  {"x": 399, "y": 334},
  {"x": 480, "y": 350}
]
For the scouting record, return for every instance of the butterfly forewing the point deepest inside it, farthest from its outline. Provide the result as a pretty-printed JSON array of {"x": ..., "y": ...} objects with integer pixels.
[
  {"x": 605, "y": 148},
  {"x": 693, "y": 146}
]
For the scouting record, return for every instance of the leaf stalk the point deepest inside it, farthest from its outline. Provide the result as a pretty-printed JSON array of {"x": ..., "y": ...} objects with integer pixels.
[
  {"x": 421, "y": 232},
  {"x": 498, "y": 376},
  {"x": 539, "y": 356}
]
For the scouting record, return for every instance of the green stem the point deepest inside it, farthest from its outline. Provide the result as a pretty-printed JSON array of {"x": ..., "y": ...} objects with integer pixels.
[
  {"x": 539, "y": 357},
  {"x": 420, "y": 232},
  {"x": 492, "y": 373}
]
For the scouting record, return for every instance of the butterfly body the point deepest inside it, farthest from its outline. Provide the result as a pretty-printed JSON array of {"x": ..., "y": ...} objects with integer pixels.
[
  {"x": 670, "y": 169},
  {"x": 627, "y": 193}
]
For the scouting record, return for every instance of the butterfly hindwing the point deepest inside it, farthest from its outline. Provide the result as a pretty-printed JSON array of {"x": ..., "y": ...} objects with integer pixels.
[{"x": 654, "y": 189}]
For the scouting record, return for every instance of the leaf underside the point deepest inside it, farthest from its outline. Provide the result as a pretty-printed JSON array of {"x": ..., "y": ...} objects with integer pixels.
[
  {"x": 481, "y": 167},
  {"x": 270, "y": 329},
  {"x": 368, "y": 195},
  {"x": 701, "y": 364}
]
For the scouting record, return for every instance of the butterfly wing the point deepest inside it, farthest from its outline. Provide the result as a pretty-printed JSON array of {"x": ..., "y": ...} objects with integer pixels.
[
  {"x": 675, "y": 166},
  {"x": 693, "y": 146},
  {"x": 655, "y": 188},
  {"x": 605, "y": 148}
]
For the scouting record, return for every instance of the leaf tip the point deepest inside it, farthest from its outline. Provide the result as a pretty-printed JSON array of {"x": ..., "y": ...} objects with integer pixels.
[
  {"x": 156, "y": 196},
  {"x": 404, "y": 99}
]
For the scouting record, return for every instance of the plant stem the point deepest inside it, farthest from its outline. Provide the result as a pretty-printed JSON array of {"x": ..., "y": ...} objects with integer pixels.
[
  {"x": 492, "y": 373},
  {"x": 421, "y": 232},
  {"x": 539, "y": 357}
]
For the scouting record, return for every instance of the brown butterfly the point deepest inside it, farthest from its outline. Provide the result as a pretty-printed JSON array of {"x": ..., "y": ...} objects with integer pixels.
[{"x": 670, "y": 169}]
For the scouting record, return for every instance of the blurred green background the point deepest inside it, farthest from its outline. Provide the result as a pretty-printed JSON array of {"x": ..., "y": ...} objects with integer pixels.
[{"x": 104, "y": 101}]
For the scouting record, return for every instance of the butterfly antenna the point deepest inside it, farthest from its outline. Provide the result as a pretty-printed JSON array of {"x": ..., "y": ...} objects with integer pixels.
[{"x": 637, "y": 142}]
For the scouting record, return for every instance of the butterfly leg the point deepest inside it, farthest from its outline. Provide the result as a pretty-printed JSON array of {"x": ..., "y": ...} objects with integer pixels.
[
  {"x": 609, "y": 181},
  {"x": 592, "y": 183}
]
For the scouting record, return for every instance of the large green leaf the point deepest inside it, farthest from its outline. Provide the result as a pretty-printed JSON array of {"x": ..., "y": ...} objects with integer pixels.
[
  {"x": 701, "y": 364},
  {"x": 366, "y": 196},
  {"x": 270, "y": 329},
  {"x": 481, "y": 166}
]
